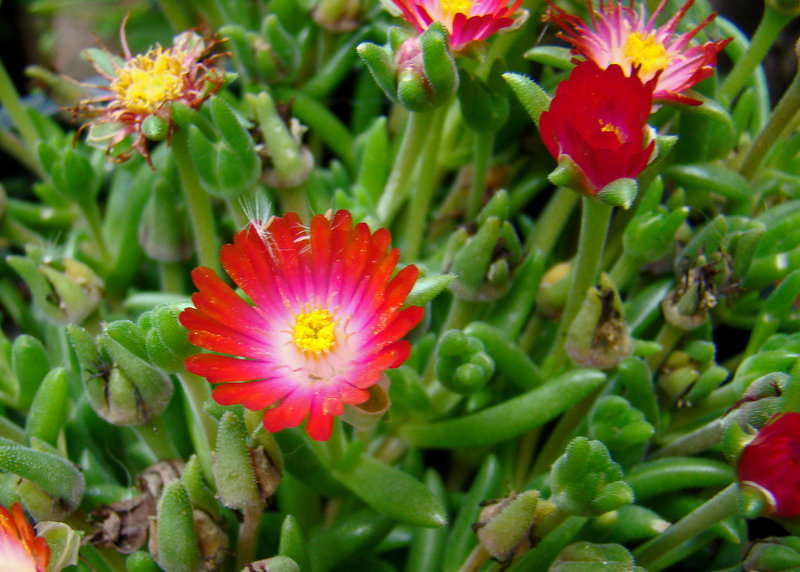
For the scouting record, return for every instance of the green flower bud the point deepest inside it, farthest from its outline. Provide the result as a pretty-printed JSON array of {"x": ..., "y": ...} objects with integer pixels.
[
  {"x": 155, "y": 128},
  {"x": 63, "y": 542},
  {"x": 504, "y": 527},
  {"x": 462, "y": 364},
  {"x": 585, "y": 556},
  {"x": 66, "y": 290},
  {"x": 166, "y": 340},
  {"x": 122, "y": 387},
  {"x": 586, "y": 482},
  {"x": 598, "y": 336},
  {"x": 420, "y": 73},
  {"x": 619, "y": 426}
]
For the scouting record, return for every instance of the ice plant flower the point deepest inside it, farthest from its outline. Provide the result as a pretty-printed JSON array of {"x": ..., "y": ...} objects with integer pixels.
[
  {"x": 20, "y": 549},
  {"x": 465, "y": 20},
  {"x": 144, "y": 86},
  {"x": 772, "y": 462},
  {"x": 624, "y": 36},
  {"x": 325, "y": 323},
  {"x": 597, "y": 126}
]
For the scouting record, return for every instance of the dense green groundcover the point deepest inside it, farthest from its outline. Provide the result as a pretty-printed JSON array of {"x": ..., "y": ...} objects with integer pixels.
[{"x": 582, "y": 354}]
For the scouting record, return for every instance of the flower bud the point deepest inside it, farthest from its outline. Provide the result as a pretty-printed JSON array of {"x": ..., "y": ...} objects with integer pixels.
[
  {"x": 462, "y": 364},
  {"x": 65, "y": 290},
  {"x": 554, "y": 289},
  {"x": 504, "y": 527},
  {"x": 620, "y": 427},
  {"x": 598, "y": 336},
  {"x": 122, "y": 387},
  {"x": 166, "y": 340},
  {"x": 586, "y": 482},
  {"x": 420, "y": 73}
]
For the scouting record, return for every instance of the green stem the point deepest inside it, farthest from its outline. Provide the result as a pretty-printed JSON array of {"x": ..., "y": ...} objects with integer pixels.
[
  {"x": 397, "y": 185},
  {"x": 767, "y": 32},
  {"x": 197, "y": 391},
  {"x": 481, "y": 157},
  {"x": 624, "y": 271},
  {"x": 667, "y": 338},
  {"x": 595, "y": 220},
  {"x": 778, "y": 124},
  {"x": 17, "y": 112},
  {"x": 556, "y": 443},
  {"x": 14, "y": 146},
  {"x": 155, "y": 435},
  {"x": 725, "y": 504},
  {"x": 199, "y": 204},
  {"x": 248, "y": 535},
  {"x": 91, "y": 213},
  {"x": 293, "y": 199},
  {"x": 552, "y": 221},
  {"x": 426, "y": 179},
  {"x": 476, "y": 558},
  {"x": 19, "y": 234},
  {"x": 171, "y": 277}
]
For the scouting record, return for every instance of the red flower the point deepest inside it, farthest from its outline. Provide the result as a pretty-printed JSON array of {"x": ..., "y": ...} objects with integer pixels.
[
  {"x": 621, "y": 35},
  {"x": 597, "y": 121},
  {"x": 20, "y": 549},
  {"x": 465, "y": 20},
  {"x": 325, "y": 323},
  {"x": 772, "y": 461}
]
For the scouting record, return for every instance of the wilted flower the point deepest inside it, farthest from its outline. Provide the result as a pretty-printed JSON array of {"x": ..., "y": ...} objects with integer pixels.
[
  {"x": 623, "y": 36},
  {"x": 597, "y": 125},
  {"x": 465, "y": 20},
  {"x": 325, "y": 324},
  {"x": 20, "y": 549},
  {"x": 771, "y": 462},
  {"x": 145, "y": 86}
]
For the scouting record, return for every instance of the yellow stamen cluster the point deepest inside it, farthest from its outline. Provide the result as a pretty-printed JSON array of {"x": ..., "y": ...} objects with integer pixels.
[
  {"x": 314, "y": 331},
  {"x": 647, "y": 52},
  {"x": 607, "y": 127},
  {"x": 147, "y": 82},
  {"x": 452, "y": 7}
]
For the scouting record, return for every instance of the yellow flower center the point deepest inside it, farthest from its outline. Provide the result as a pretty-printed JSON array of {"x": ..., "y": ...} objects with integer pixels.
[
  {"x": 452, "y": 7},
  {"x": 647, "y": 52},
  {"x": 313, "y": 331},
  {"x": 148, "y": 82},
  {"x": 606, "y": 127}
]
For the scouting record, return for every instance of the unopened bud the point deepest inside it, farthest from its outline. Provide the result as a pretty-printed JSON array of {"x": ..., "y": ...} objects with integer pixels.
[{"x": 505, "y": 527}]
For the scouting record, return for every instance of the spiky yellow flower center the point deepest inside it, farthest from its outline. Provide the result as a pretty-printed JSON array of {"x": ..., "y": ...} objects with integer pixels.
[
  {"x": 452, "y": 7},
  {"x": 646, "y": 51},
  {"x": 147, "y": 82},
  {"x": 314, "y": 331},
  {"x": 608, "y": 127}
]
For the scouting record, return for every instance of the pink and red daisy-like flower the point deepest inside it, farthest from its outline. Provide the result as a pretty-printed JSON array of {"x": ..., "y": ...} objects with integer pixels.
[
  {"x": 20, "y": 549},
  {"x": 598, "y": 122},
  {"x": 623, "y": 36},
  {"x": 772, "y": 461},
  {"x": 144, "y": 86},
  {"x": 465, "y": 20},
  {"x": 325, "y": 323}
]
